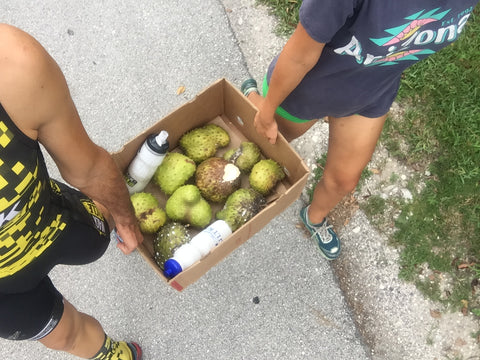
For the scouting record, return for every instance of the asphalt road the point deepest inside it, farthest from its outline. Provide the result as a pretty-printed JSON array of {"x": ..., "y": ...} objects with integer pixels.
[{"x": 124, "y": 61}]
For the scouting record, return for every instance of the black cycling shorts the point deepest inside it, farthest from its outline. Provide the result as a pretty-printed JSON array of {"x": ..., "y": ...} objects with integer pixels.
[{"x": 30, "y": 305}]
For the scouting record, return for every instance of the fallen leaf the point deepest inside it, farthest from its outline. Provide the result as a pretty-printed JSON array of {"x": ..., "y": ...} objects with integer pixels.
[
  {"x": 180, "y": 90},
  {"x": 375, "y": 171},
  {"x": 465, "y": 266},
  {"x": 435, "y": 314},
  {"x": 464, "y": 307}
]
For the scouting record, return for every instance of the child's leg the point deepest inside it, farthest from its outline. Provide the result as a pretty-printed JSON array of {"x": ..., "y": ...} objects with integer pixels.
[{"x": 352, "y": 141}]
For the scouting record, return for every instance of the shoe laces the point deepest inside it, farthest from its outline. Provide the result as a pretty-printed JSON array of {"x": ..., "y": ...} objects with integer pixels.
[{"x": 323, "y": 232}]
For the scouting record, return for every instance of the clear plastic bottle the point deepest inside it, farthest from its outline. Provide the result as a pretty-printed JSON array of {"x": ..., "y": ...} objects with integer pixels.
[
  {"x": 200, "y": 245},
  {"x": 149, "y": 157}
]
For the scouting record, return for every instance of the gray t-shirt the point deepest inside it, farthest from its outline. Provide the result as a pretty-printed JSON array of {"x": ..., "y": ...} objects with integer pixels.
[{"x": 369, "y": 43}]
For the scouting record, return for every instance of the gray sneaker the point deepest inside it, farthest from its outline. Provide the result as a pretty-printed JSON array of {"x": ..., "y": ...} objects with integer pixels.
[{"x": 323, "y": 235}]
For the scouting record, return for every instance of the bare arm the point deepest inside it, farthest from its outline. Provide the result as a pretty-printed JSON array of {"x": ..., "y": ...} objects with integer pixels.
[
  {"x": 35, "y": 92},
  {"x": 297, "y": 58}
]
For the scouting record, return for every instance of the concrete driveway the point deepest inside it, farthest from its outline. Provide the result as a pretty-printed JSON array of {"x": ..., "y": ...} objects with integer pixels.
[{"x": 124, "y": 61}]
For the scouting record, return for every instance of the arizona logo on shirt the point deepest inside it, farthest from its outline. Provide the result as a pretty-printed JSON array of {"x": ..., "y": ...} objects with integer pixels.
[{"x": 410, "y": 40}]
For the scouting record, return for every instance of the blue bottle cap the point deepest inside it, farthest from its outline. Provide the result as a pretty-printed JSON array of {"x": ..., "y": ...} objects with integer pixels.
[{"x": 171, "y": 268}]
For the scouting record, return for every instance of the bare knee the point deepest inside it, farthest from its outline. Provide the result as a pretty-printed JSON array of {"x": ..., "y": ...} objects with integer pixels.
[{"x": 340, "y": 184}]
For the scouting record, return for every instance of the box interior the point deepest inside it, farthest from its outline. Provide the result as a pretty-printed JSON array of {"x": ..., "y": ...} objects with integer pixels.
[{"x": 224, "y": 105}]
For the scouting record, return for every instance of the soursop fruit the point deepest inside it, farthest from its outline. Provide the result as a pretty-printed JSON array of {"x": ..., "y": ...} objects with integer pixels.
[
  {"x": 265, "y": 175},
  {"x": 203, "y": 142},
  {"x": 148, "y": 213},
  {"x": 188, "y": 206},
  {"x": 221, "y": 137},
  {"x": 245, "y": 156},
  {"x": 217, "y": 178},
  {"x": 240, "y": 207},
  {"x": 174, "y": 171},
  {"x": 170, "y": 237}
]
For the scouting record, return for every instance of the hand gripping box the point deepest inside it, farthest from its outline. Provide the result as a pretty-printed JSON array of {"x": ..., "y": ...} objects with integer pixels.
[{"x": 224, "y": 105}]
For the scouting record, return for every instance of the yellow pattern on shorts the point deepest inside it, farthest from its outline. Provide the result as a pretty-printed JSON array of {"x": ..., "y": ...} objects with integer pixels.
[{"x": 26, "y": 231}]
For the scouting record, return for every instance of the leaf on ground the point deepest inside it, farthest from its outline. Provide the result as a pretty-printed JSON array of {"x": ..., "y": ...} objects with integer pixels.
[
  {"x": 181, "y": 90},
  {"x": 465, "y": 266},
  {"x": 435, "y": 314},
  {"x": 464, "y": 307}
]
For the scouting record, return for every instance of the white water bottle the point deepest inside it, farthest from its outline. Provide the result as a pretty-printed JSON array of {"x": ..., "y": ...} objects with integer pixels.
[
  {"x": 200, "y": 245},
  {"x": 149, "y": 157}
]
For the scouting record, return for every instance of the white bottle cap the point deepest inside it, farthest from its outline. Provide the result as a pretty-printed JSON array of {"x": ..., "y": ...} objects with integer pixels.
[{"x": 161, "y": 138}]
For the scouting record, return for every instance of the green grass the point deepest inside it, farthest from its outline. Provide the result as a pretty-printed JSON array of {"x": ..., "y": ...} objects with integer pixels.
[
  {"x": 287, "y": 13},
  {"x": 441, "y": 127},
  {"x": 443, "y": 130}
]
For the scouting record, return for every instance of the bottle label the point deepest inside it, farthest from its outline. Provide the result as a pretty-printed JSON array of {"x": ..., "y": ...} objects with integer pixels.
[
  {"x": 130, "y": 180},
  {"x": 214, "y": 234}
]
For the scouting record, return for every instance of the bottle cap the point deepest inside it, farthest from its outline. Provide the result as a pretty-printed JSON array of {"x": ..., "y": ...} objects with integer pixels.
[
  {"x": 161, "y": 138},
  {"x": 171, "y": 268},
  {"x": 159, "y": 142}
]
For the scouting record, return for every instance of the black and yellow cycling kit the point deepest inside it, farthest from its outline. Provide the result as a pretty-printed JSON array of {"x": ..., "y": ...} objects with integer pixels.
[
  {"x": 29, "y": 223},
  {"x": 42, "y": 223}
]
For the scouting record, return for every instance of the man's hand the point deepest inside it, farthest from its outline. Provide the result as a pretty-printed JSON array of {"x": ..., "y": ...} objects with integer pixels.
[{"x": 130, "y": 238}]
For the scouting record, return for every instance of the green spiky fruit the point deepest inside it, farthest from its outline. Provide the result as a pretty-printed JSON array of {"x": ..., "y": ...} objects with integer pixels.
[
  {"x": 188, "y": 206},
  {"x": 221, "y": 137},
  {"x": 231, "y": 155},
  {"x": 217, "y": 178},
  {"x": 240, "y": 207},
  {"x": 171, "y": 236},
  {"x": 265, "y": 175},
  {"x": 143, "y": 201},
  {"x": 245, "y": 156},
  {"x": 148, "y": 213},
  {"x": 152, "y": 221},
  {"x": 201, "y": 143},
  {"x": 174, "y": 171}
]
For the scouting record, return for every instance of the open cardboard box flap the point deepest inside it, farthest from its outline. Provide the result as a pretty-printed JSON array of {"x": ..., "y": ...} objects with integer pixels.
[{"x": 224, "y": 105}]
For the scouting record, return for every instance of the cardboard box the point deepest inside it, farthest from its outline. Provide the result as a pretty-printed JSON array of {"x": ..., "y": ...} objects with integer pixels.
[{"x": 223, "y": 104}]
